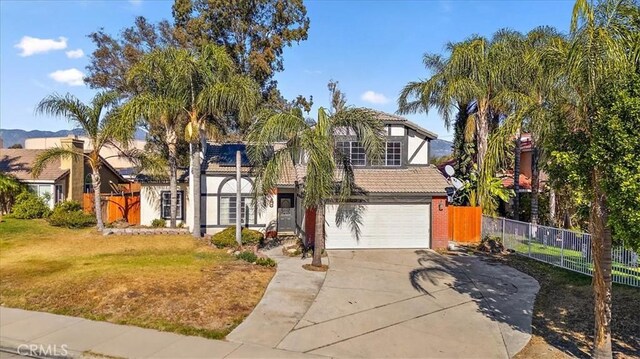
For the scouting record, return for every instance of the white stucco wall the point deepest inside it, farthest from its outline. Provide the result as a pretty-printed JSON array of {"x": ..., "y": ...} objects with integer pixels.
[
  {"x": 414, "y": 141},
  {"x": 397, "y": 130},
  {"x": 150, "y": 203},
  {"x": 209, "y": 203}
]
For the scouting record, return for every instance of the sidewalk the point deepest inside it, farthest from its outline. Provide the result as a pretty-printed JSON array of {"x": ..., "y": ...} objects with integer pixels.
[{"x": 82, "y": 337}]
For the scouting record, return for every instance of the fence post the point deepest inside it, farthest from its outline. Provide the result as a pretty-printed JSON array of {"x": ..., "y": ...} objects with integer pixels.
[
  {"x": 562, "y": 248},
  {"x": 530, "y": 235},
  {"x": 503, "y": 225}
]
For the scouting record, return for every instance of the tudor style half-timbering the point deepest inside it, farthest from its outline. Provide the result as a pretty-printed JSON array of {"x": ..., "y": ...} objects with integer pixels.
[
  {"x": 403, "y": 192},
  {"x": 403, "y": 201}
]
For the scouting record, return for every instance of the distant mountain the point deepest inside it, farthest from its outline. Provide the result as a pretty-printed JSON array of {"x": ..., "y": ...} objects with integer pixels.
[
  {"x": 441, "y": 148},
  {"x": 11, "y": 137}
]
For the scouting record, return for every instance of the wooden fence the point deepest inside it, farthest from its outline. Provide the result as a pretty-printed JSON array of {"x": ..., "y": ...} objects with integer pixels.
[
  {"x": 465, "y": 224},
  {"x": 116, "y": 207}
]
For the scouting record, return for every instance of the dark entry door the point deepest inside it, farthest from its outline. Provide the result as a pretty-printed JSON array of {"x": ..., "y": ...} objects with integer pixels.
[{"x": 286, "y": 212}]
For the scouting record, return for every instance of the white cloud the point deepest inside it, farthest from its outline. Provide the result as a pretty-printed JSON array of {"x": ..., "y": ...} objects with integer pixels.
[
  {"x": 71, "y": 77},
  {"x": 374, "y": 97},
  {"x": 75, "y": 54},
  {"x": 33, "y": 45},
  {"x": 135, "y": 2}
]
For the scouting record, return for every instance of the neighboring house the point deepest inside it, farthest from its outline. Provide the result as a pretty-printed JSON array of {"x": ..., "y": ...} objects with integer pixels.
[
  {"x": 109, "y": 153},
  {"x": 62, "y": 180},
  {"x": 526, "y": 153},
  {"x": 404, "y": 203}
]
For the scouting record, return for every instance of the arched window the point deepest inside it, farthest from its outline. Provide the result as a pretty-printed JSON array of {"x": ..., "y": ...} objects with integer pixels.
[{"x": 227, "y": 202}]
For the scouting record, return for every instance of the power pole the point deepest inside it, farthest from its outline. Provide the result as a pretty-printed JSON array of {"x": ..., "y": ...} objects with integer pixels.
[{"x": 238, "y": 199}]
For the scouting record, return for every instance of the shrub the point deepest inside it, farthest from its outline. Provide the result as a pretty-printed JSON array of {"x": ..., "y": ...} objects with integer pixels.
[
  {"x": 266, "y": 262},
  {"x": 29, "y": 205},
  {"x": 247, "y": 256},
  {"x": 227, "y": 238},
  {"x": 69, "y": 214},
  {"x": 158, "y": 223}
]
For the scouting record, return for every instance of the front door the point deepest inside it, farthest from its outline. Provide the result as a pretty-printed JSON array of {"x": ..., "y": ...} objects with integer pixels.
[{"x": 286, "y": 212}]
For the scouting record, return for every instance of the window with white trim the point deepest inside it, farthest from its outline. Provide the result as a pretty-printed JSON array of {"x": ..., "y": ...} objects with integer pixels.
[
  {"x": 165, "y": 208},
  {"x": 354, "y": 150},
  {"x": 392, "y": 155},
  {"x": 228, "y": 210}
]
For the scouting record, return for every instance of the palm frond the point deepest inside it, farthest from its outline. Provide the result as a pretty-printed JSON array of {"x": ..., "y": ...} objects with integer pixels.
[{"x": 71, "y": 108}]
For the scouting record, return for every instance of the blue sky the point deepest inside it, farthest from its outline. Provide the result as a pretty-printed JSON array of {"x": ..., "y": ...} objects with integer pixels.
[{"x": 373, "y": 48}]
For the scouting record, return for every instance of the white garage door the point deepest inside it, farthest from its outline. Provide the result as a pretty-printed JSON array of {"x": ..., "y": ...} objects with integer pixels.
[{"x": 383, "y": 226}]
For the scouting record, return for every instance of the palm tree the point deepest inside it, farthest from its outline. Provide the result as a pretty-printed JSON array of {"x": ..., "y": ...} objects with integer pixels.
[
  {"x": 475, "y": 72},
  {"x": 156, "y": 104},
  {"x": 206, "y": 89},
  {"x": 603, "y": 48},
  {"x": 328, "y": 172},
  {"x": 102, "y": 124}
]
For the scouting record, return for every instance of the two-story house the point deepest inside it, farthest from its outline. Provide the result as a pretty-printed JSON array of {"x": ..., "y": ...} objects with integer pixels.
[{"x": 403, "y": 202}]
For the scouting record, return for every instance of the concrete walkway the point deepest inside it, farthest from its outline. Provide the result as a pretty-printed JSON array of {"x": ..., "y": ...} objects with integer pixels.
[
  {"x": 287, "y": 298},
  {"x": 77, "y": 337},
  {"x": 416, "y": 304}
]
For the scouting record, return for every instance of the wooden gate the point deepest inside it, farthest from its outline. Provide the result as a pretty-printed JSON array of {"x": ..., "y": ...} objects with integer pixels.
[
  {"x": 465, "y": 224},
  {"x": 116, "y": 207}
]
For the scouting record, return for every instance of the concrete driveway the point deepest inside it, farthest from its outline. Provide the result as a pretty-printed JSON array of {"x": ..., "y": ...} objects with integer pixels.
[
  {"x": 393, "y": 303},
  {"x": 408, "y": 303}
]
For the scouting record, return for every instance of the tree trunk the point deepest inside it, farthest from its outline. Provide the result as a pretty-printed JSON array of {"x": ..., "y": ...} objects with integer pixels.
[
  {"x": 516, "y": 177},
  {"x": 173, "y": 181},
  {"x": 482, "y": 137},
  {"x": 319, "y": 237},
  {"x": 552, "y": 207},
  {"x": 95, "y": 177},
  {"x": 535, "y": 184},
  {"x": 601, "y": 249}
]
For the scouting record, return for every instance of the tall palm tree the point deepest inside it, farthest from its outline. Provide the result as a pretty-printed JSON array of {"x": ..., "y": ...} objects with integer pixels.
[
  {"x": 155, "y": 103},
  {"x": 539, "y": 88},
  {"x": 102, "y": 124},
  {"x": 603, "y": 48},
  {"x": 205, "y": 88},
  {"x": 474, "y": 72},
  {"x": 328, "y": 175},
  {"x": 536, "y": 83}
]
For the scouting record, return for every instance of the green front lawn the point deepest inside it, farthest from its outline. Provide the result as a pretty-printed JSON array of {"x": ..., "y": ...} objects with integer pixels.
[
  {"x": 171, "y": 283},
  {"x": 571, "y": 259}
]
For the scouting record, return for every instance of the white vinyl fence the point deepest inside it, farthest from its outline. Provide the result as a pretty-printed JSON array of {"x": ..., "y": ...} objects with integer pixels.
[{"x": 560, "y": 247}]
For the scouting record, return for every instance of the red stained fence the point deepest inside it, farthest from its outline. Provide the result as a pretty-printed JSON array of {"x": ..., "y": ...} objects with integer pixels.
[
  {"x": 116, "y": 207},
  {"x": 465, "y": 224}
]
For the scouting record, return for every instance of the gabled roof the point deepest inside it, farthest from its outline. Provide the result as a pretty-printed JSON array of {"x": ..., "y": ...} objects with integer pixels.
[
  {"x": 19, "y": 163},
  {"x": 391, "y": 118}
]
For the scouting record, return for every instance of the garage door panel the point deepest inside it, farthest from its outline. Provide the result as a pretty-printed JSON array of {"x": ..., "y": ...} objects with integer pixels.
[{"x": 383, "y": 226}]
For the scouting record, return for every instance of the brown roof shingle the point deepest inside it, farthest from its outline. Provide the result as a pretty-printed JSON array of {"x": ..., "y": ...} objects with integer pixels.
[
  {"x": 421, "y": 179},
  {"x": 19, "y": 162}
]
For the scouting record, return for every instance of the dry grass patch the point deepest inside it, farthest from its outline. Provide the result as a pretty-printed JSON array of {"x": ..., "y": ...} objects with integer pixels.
[
  {"x": 170, "y": 283},
  {"x": 563, "y": 312}
]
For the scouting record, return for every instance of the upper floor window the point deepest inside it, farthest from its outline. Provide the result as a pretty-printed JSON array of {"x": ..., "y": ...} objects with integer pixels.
[
  {"x": 354, "y": 150},
  {"x": 392, "y": 155}
]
